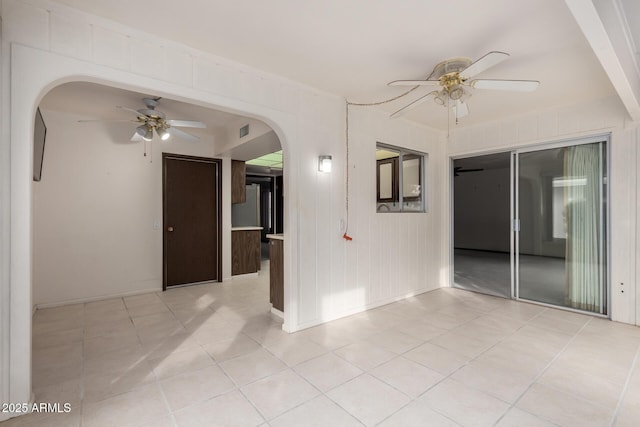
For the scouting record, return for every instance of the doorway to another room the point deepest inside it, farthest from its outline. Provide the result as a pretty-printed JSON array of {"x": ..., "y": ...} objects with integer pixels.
[
  {"x": 531, "y": 224},
  {"x": 482, "y": 238},
  {"x": 257, "y": 216}
]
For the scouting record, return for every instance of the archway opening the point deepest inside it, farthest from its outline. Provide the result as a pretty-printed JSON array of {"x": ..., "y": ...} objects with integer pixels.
[{"x": 98, "y": 247}]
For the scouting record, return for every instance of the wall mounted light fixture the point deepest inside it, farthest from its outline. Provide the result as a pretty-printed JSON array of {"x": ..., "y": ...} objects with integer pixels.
[{"x": 324, "y": 163}]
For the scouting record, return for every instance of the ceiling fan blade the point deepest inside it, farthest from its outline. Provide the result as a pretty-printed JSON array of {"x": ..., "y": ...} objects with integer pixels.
[
  {"x": 484, "y": 63},
  {"x": 182, "y": 134},
  {"x": 106, "y": 120},
  {"x": 461, "y": 109},
  {"x": 412, "y": 105},
  {"x": 414, "y": 83},
  {"x": 187, "y": 123},
  {"x": 515, "y": 85},
  {"x": 138, "y": 113}
]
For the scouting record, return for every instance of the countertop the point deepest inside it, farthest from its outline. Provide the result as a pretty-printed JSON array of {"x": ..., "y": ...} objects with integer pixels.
[
  {"x": 278, "y": 236},
  {"x": 250, "y": 228}
]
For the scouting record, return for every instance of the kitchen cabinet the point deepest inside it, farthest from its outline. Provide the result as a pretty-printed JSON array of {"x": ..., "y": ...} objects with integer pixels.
[
  {"x": 245, "y": 250},
  {"x": 238, "y": 181},
  {"x": 276, "y": 271}
]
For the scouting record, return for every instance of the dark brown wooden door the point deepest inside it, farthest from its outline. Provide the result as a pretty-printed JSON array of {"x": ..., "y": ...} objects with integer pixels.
[{"x": 192, "y": 192}]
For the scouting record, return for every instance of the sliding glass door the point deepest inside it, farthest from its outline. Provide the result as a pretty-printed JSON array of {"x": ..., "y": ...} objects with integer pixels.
[
  {"x": 560, "y": 233},
  {"x": 481, "y": 219}
]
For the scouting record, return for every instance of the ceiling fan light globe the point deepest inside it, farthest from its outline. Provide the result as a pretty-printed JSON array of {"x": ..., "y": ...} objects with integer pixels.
[
  {"x": 163, "y": 134},
  {"x": 440, "y": 98},
  {"x": 141, "y": 130},
  {"x": 148, "y": 135},
  {"x": 456, "y": 92}
]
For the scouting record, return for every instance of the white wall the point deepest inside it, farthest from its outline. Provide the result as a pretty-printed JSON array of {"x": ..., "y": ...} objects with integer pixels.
[
  {"x": 605, "y": 116},
  {"x": 325, "y": 276},
  {"x": 5, "y": 222},
  {"x": 94, "y": 212},
  {"x": 392, "y": 255}
]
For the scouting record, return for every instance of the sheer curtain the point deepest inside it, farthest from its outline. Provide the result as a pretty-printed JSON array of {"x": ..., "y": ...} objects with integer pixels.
[{"x": 584, "y": 254}]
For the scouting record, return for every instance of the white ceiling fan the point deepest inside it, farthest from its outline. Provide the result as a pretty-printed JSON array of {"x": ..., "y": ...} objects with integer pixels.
[
  {"x": 150, "y": 119},
  {"x": 454, "y": 78}
]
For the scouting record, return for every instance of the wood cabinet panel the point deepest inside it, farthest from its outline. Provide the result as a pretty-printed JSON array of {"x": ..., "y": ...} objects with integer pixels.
[
  {"x": 276, "y": 274},
  {"x": 245, "y": 251},
  {"x": 238, "y": 181}
]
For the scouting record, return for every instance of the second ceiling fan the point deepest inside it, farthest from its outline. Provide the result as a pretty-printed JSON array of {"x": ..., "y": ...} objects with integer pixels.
[
  {"x": 152, "y": 120},
  {"x": 455, "y": 79}
]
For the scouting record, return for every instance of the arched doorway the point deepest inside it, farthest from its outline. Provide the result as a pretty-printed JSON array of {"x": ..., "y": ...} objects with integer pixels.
[{"x": 27, "y": 91}]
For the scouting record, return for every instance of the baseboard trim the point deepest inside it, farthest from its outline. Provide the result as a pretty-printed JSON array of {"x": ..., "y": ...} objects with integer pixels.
[
  {"x": 96, "y": 298},
  {"x": 244, "y": 276},
  {"x": 361, "y": 309},
  {"x": 277, "y": 312}
]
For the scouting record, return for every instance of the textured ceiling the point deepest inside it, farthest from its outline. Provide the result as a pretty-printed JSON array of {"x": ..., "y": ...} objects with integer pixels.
[{"x": 354, "y": 48}]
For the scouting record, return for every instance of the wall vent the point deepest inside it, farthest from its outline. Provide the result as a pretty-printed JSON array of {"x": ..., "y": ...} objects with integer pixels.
[{"x": 244, "y": 131}]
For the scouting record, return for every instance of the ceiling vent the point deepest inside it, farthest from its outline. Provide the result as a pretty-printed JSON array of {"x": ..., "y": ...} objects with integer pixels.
[{"x": 244, "y": 131}]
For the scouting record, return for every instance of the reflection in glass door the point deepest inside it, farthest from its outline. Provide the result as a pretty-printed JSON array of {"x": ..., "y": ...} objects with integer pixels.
[{"x": 560, "y": 203}]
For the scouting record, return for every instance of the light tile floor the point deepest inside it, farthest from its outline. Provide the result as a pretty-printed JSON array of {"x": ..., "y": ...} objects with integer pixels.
[{"x": 211, "y": 355}]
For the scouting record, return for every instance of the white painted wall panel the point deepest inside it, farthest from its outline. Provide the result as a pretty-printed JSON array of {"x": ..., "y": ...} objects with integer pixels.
[
  {"x": 528, "y": 129},
  {"x": 509, "y": 132},
  {"x": 110, "y": 48},
  {"x": 70, "y": 36},
  {"x": 211, "y": 76},
  {"x": 249, "y": 87},
  {"x": 26, "y": 23},
  {"x": 308, "y": 245},
  {"x": 623, "y": 211},
  {"x": 147, "y": 58},
  {"x": 178, "y": 66},
  {"x": 392, "y": 253},
  {"x": 548, "y": 125},
  {"x": 286, "y": 98},
  {"x": 569, "y": 121}
]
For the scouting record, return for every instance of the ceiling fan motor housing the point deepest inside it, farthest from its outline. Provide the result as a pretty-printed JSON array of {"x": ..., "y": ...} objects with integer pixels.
[
  {"x": 448, "y": 72},
  {"x": 450, "y": 66}
]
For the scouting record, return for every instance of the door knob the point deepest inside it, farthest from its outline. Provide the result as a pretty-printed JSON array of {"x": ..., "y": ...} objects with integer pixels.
[{"x": 170, "y": 229}]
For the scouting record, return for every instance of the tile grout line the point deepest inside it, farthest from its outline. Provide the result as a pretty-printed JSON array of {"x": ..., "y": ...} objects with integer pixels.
[
  {"x": 369, "y": 372},
  {"x": 157, "y": 379},
  {"x": 543, "y": 371},
  {"x": 634, "y": 366},
  {"x": 364, "y": 372},
  {"x": 164, "y": 399},
  {"x": 467, "y": 363},
  {"x": 238, "y": 388},
  {"x": 411, "y": 398}
]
